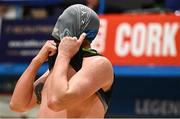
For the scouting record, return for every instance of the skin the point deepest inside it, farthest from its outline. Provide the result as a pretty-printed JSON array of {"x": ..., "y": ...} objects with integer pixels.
[{"x": 66, "y": 93}]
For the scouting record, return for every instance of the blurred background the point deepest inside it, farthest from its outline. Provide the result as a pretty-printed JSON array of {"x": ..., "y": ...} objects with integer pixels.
[{"x": 140, "y": 37}]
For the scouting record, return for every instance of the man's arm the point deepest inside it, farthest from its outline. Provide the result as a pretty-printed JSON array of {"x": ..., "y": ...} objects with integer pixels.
[
  {"x": 23, "y": 97},
  {"x": 95, "y": 74}
]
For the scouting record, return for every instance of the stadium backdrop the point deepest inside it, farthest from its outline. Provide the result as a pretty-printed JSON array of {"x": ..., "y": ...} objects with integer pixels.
[{"x": 144, "y": 50}]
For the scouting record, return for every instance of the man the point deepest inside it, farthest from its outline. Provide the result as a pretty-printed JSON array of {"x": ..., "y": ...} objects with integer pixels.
[{"x": 78, "y": 81}]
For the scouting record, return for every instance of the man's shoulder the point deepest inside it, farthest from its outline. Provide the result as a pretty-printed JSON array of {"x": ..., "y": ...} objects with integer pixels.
[
  {"x": 100, "y": 69},
  {"x": 98, "y": 64},
  {"x": 98, "y": 61}
]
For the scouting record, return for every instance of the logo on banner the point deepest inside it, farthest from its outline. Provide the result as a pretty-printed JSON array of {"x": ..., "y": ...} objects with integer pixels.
[
  {"x": 150, "y": 40},
  {"x": 157, "y": 107}
]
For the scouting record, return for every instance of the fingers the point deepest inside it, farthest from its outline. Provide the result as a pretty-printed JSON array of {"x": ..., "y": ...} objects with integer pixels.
[
  {"x": 52, "y": 49},
  {"x": 81, "y": 38},
  {"x": 74, "y": 38},
  {"x": 52, "y": 42}
]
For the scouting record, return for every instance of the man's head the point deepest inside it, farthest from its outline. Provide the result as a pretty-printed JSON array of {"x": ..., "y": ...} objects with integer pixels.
[{"x": 75, "y": 20}]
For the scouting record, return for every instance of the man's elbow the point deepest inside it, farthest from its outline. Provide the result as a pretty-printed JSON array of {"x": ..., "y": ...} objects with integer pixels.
[
  {"x": 58, "y": 103},
  {"x": 55, "y": 104},
  {"x": 14, "y": 107}
]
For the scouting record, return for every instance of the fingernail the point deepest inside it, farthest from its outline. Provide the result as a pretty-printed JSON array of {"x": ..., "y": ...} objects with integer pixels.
[{"x": 84, "y": 34}]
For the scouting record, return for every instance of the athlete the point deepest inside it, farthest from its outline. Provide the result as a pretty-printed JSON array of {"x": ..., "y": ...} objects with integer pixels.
[{"x": 78, "y": 82}]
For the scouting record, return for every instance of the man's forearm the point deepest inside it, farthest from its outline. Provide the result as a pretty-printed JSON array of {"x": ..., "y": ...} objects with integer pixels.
[
  {"x": 59, "y": 81},
  {"x": 24, "y": 87},
  {"x": 57, "y": 91}
]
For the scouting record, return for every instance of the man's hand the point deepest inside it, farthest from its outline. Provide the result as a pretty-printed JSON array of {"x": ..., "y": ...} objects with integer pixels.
[
  {"x": 69, "y": 46},
  {"x": 48, "y": 49}
]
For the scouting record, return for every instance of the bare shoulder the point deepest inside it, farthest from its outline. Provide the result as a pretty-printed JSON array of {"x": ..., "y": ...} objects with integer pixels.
[
  {"x": 98, "y": 62},
  {"x": 100, "y": 67}
]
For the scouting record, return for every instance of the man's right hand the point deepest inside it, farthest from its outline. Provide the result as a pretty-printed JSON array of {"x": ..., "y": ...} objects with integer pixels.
[{"x": 49, "y": 49}]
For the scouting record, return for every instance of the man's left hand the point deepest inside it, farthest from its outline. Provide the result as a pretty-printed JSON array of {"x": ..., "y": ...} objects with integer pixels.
[{"x": 69, "y": 46}]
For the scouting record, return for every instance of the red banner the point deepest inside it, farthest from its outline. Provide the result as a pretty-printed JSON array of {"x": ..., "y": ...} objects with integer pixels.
[{"x": 140, "y": 39}]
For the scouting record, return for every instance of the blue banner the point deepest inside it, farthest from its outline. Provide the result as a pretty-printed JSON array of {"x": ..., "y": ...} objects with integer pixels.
[
  {"x": 21, "y": 39},
  {"x": 132, "y": 96},
  {"x": 145, "y": 97}
]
